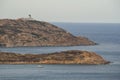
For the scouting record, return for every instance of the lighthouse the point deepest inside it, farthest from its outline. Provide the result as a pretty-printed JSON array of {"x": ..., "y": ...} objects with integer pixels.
[{"x": 30, "y": 16}]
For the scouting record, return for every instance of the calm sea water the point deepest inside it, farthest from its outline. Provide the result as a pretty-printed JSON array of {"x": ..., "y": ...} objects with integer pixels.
[{"x": 108, "y": 37}]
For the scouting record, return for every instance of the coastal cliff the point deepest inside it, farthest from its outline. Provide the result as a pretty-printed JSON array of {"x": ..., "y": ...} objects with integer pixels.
[
  {"x": 64, "y": 57},
  {"x": 22, "y": 32}
]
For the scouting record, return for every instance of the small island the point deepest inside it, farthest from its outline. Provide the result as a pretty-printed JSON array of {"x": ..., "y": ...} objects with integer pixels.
[
  {"x": 29, "y": 32},
  {"x": 63, "y": 57}
]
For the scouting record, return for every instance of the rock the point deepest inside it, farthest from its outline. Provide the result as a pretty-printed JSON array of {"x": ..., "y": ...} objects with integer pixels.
[
  {"x": 64, "y": 57},
  {"x": 23, "y": 32}
]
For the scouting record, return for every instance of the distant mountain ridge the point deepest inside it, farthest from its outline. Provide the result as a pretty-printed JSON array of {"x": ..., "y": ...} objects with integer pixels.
[{"x": 23, "y": 32}]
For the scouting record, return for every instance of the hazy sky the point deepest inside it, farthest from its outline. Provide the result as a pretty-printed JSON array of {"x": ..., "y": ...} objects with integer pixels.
[{"x": 63, "y": 10}]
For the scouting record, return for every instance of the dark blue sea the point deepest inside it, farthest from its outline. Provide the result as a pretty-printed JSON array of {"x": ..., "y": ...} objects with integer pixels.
[{"x": 107, "y": 35}]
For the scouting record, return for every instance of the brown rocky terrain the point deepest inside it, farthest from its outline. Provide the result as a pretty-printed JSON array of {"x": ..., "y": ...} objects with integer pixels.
[
  {"x": 22, "y": 32},
  {"x": 64, "y": 57}
]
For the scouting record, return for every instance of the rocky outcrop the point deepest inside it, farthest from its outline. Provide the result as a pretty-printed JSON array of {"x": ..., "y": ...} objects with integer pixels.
[
  {"x": 64, "y": 57},
  {"x": 22, "y": 32}
]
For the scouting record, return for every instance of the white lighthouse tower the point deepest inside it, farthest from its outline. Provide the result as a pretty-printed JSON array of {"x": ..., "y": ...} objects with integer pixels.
[{"x": 30, "y": 17}]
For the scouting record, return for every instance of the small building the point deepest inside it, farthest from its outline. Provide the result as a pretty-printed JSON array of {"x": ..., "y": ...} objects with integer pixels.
[{"x": 29, "y": 18}]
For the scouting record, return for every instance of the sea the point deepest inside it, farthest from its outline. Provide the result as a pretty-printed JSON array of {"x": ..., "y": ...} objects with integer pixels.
[{"x": 107, "y": 35}]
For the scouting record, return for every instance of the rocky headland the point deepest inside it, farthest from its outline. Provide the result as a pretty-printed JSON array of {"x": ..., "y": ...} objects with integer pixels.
[
  {"x": 23, "y": 32},
  {"x": 64, "y": 57}
]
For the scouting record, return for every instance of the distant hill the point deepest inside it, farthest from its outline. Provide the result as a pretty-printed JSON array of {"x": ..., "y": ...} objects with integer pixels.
[
  {"x": 28, "y": 32},
  {"x": 64, "y": 57}
]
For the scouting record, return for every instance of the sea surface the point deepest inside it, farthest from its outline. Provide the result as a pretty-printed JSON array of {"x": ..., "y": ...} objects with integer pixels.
[{"x": 107, "y": 35}]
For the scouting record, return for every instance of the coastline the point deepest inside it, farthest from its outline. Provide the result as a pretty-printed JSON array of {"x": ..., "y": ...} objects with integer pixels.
[
  {"x": 64, "y": 57},
  {"x": 20, "y": 33}
]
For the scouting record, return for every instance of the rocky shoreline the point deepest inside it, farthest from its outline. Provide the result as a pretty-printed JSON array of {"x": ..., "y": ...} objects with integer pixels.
[
  {"x": 29, "y": 32},
  {"x": 23, "y": 32},
  {"x": 64, "y": 57}
]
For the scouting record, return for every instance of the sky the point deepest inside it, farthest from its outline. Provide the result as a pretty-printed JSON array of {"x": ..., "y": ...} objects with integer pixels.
[{"x": 103, "y": 11}]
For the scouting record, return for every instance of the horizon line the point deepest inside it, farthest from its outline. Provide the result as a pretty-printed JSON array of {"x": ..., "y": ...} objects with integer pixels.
[{"x": 70, "y": 21}]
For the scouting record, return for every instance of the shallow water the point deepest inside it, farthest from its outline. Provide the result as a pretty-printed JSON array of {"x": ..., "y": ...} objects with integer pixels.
[{"x": 107, "y": 35}]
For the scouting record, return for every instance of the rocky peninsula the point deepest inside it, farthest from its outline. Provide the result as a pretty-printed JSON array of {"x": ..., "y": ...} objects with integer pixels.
[
  {"x": 29, "y": 32},
  {"x": 64, "y": 57}
]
